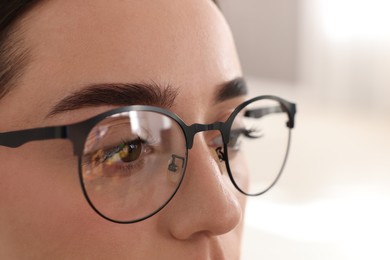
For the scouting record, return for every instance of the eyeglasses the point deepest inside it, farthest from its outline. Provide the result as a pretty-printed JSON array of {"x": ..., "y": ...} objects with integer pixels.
[{"x": 132, "y": 160}]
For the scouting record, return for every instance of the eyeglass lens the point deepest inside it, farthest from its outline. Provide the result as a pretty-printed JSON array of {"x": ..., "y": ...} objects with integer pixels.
[
  {"x": 133, "y": 164},
  {"x": 258, "y": 146}
]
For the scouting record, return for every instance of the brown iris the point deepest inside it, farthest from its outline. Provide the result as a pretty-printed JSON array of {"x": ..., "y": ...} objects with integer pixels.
[{"x": 129, "y": 152}]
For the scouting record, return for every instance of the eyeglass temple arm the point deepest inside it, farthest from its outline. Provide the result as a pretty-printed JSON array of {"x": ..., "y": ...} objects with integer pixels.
[
  {"x": 18, "y": 138},
  {"x": 260, "y": 112}
]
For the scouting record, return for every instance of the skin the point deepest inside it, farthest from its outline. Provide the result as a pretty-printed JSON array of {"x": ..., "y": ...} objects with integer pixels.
[{"x": 186, "y": 44}]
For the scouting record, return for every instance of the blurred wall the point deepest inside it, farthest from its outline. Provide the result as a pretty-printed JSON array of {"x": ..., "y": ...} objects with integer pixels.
[
  {"x": 266, "y": 36},
  {"x": 345, "y": 52},
  {"x": 337, "y": 50}
]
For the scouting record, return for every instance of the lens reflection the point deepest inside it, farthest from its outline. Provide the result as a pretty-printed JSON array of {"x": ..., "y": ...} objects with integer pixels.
[{"x": 133, "y": 163}]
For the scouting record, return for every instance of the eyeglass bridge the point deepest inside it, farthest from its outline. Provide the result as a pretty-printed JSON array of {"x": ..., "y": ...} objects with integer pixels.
[{"x": 196, "y": 128}]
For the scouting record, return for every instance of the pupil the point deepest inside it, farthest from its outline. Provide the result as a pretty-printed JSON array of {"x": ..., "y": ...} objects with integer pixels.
[{"x": 131, "y": 151}]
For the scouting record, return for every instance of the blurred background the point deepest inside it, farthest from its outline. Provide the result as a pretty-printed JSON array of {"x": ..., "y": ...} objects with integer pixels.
[{"x": 331, "y": 57}]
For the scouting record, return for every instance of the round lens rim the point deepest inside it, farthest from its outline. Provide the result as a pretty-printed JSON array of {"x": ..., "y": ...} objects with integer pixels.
[
  {"x": 290, "y": 124},
  {"x": 276, "y": 178},
  {"x": 88, "y": 126}
]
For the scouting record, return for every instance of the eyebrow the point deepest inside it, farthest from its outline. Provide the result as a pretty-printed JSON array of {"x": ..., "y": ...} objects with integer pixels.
[
  {"x": 127, "y": 94},
  {"x": 231, "y": 89},
  {"x": 117, "y": 94}
]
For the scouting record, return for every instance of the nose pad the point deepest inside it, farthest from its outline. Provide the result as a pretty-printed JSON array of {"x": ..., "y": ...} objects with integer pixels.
[{"x": 220, "y": 153}]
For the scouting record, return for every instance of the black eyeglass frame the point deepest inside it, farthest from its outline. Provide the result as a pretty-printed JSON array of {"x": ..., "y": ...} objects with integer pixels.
[{"x": 77, "y": 133}]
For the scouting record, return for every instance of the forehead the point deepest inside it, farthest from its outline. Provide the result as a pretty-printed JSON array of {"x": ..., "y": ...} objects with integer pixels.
[
  {"x": 146, "y": 38},
  {"x": 74, "y": 43}
]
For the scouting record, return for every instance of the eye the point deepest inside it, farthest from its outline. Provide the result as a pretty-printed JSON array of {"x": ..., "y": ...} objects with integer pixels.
[
  {"x": 130, "y": 151},
  {"x": 127, "y": 151},
  {"x": 235, "y": 134}
]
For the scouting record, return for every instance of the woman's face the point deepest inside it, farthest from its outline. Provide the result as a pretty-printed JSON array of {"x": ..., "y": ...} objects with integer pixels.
[{"x": 72, "y": 45}]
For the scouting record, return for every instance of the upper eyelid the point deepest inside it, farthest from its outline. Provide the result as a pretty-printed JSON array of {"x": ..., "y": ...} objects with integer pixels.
[
  {"x": 107, "y": 150},
  {"x": 223, "y": 114}
]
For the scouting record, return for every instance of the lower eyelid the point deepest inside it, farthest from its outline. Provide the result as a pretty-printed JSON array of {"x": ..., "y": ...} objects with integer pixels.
[
  {"x": 148, "y": 149},
  {"x": 128, "y": 166}
]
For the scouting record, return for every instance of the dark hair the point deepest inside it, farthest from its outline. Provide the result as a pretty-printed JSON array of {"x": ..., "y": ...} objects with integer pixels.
[{"x": 13, "y": 53}]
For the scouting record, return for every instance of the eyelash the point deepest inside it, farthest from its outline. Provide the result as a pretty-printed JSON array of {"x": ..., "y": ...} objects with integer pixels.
[
  {"x": 234, "y": 135},
  {"x": 107, "y": 153}
]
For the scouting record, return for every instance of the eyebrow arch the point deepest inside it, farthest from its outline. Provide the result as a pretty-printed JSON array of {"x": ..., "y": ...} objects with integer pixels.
[
  {"x": 231, "y": 89},
  {"x": 127, "y": 94},
  {"x": 119, "y": 94}
]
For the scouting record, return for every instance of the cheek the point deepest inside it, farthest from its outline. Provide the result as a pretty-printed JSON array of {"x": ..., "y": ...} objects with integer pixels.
[
  {"x": 240, "y": 171},
  {"x": 43, "y": 212},
  {"x": 240, "y": 166},
  {"x": 39, "y": 194}
]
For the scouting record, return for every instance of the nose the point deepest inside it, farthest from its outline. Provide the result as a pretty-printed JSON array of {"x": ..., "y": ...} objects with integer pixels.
[{"x": 206, "y": 201}]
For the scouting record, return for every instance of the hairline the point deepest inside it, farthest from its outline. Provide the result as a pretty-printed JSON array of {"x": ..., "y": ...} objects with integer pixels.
[{"x": 14, "y": 53}]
